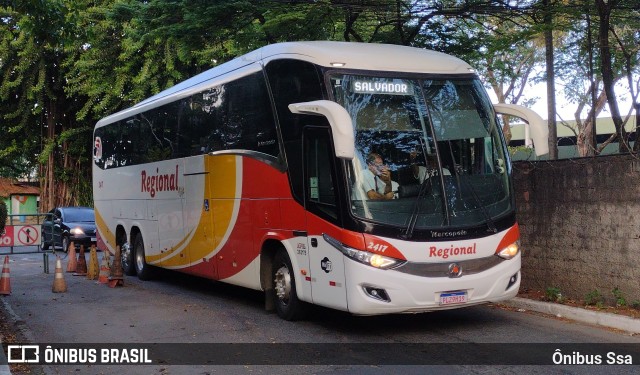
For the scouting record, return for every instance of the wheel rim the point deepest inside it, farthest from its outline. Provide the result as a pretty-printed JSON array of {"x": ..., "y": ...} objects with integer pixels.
[
  {"x": 65, "y": 244},
  {"x": 125, "y": 255},
  {"x": 283, "y": 284}
]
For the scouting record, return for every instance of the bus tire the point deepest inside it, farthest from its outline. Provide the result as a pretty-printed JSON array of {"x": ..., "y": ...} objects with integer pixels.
[
  {"x": 142, "y": 268},
  {"x": 287, "y": 304},
  {"x": 126, "y": 255}
]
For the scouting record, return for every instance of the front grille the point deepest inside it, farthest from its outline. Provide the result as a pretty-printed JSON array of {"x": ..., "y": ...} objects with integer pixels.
[{"x": 469, "y": 267}]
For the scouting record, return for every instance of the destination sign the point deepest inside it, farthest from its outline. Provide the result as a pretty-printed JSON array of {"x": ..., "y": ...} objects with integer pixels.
[{"x": 391, "y": 87}]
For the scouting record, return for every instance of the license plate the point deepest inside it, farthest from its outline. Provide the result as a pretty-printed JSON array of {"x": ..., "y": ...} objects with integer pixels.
[
  {"x": 93, "y": 239},
  {"x": 452, "y": 298}
]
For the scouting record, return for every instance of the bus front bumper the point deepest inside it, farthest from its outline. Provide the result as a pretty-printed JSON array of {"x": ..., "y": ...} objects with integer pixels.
[{"x": 372, "y": 291}]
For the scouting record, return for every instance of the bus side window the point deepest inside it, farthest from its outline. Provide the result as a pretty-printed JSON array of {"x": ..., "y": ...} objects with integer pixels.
[
  {"x": 240, "y": 116},
  {"x": 294, "y": 81},
  {"x": 319, "y": 171}
]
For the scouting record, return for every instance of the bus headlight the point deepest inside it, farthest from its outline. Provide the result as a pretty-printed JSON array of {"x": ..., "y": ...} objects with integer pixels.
[
  {"x": 364, "y": 257},
  {"x": 509, "y": 251}
]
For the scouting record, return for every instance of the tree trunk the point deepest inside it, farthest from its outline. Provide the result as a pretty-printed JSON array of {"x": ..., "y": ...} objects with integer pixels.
[
  {"x": 604, "y": 11},
  {"x": 48, "y": 200},
  {"x": 551, "y": 87}
]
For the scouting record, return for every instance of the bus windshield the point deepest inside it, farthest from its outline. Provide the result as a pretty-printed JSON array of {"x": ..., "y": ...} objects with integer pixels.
[{"x": 429, "y": 153}]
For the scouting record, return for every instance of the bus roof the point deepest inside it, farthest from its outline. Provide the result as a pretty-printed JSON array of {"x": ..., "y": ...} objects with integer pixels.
[{"x": 344, "y": 55}]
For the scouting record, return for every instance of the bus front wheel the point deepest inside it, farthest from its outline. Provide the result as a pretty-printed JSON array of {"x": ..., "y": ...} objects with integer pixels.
[{"x": 288, "y": 306}]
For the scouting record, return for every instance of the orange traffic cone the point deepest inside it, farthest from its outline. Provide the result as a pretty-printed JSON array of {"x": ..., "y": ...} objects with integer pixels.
[
  {"x": 5, "y": 282},
  {"x": 81, "y": 269},
  {"x": 72, "y": 264},
  {"x": 59, "y": 285},
  {"x": 92, "y": 272},
  {"x": 103, "y": 277},
  {"x": 117, "y": 277}
]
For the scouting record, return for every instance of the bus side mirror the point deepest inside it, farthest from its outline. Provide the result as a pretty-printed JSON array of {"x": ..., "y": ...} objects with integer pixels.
[
  {"x": 339, "y": 120},
  {"x": 538, "y": 127}
]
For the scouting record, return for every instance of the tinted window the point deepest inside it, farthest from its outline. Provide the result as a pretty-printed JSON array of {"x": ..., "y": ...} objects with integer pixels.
[
  {"x": 321, "y": 190},
  {"x": 294, "y": 81},
  {"x": 241, "y": 116},
  {"x": 236, "y": 115},
  {"x": 79, "y": 215}
]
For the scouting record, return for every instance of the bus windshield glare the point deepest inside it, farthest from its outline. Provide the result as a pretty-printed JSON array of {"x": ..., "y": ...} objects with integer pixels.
[{"x": 438, "y": 140}]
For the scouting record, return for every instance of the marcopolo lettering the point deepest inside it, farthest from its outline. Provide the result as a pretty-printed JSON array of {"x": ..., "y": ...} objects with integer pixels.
[
  {"x": 452, "y": 250},
  {"x": 159, "y": 182}
]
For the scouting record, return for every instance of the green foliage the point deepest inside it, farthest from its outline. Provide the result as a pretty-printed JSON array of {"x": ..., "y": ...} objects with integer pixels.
[
  {"x": 594, "y": 298},
  {"x": 66, "y": 64},
  {"x": 620, "y": 300},
  {"x": 3, "y": 216},
  {"x": 553, "y": 294}
]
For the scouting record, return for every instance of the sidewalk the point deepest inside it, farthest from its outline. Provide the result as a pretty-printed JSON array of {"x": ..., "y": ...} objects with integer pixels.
[{"x": 603, "y": 319}]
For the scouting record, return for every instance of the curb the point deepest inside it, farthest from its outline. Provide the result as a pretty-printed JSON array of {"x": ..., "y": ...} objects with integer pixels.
[{"x": 603, "y": 319}]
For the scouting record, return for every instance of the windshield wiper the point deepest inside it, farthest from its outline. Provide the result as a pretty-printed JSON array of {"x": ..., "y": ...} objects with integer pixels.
[{"x": 415, "y": 210}]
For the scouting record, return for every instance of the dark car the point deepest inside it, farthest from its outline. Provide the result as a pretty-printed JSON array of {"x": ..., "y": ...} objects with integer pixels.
[{"x": 65, "y": 224}]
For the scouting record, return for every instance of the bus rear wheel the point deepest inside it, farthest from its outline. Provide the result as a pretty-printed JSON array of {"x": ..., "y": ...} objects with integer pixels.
[
  {"x": 126, "y": 255},
  {"x": 142, "y": 268},
  {"x": 288, "y": 306}
]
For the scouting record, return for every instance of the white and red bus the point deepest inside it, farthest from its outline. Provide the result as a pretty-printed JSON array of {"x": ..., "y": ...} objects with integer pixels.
[{"x": 258, "y": 173}]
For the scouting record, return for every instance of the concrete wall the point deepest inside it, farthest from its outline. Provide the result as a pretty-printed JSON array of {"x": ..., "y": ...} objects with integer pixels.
[{"x": 580, "y": 225}]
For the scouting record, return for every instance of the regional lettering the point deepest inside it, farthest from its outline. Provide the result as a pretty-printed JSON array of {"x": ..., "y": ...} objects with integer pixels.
[
  {"x": 124, "y": 356},
  {"x": 446, "y": 252},
  {"x": 159, "y": 182}
]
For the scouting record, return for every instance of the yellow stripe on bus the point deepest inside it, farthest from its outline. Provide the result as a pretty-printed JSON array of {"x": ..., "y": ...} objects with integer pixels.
[
  {"x": 108, "y": 237},
  {"x": 214, "y": 225}
]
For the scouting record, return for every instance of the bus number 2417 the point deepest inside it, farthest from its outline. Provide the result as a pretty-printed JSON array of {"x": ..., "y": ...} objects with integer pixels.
[{"x": 377, "y": 247}]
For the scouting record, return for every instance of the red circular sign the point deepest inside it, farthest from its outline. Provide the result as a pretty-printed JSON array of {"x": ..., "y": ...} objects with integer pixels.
[{"x": 28, "y": 235}]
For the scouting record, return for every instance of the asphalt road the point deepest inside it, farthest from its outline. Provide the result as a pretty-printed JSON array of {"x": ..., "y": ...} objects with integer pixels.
[{"x": 179, "y": 309}]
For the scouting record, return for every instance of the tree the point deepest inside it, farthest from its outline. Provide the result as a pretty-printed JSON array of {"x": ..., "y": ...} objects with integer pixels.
[
  {"x": 66, "y": 64},
  {"x": 35, "y": 109},
  {"x": 550, "y": 77},
  {"x": 606, "y": 68},
  {"x": 506, "y": 52},
  {"x": 619, "y": 36}
]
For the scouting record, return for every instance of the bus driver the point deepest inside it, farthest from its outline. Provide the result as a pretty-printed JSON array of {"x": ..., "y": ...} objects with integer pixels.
[{"x": 376, "y": 179}]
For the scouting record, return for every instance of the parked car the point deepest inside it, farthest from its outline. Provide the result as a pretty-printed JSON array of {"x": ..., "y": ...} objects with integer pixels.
[{"x": 65, "y": 224}]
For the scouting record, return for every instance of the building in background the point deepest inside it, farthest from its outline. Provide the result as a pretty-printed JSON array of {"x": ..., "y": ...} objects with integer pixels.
[
  {"x": 567, "y": 139},
  {"x": 21, "y": 198}
]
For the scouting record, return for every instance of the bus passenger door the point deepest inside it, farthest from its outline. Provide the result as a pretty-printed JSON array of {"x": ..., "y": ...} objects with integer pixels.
[{"x": 326, "y": 262}]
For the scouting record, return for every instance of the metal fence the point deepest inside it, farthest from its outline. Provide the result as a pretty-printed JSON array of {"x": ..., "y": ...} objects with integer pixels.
[{"x": 22, "y": 234}]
